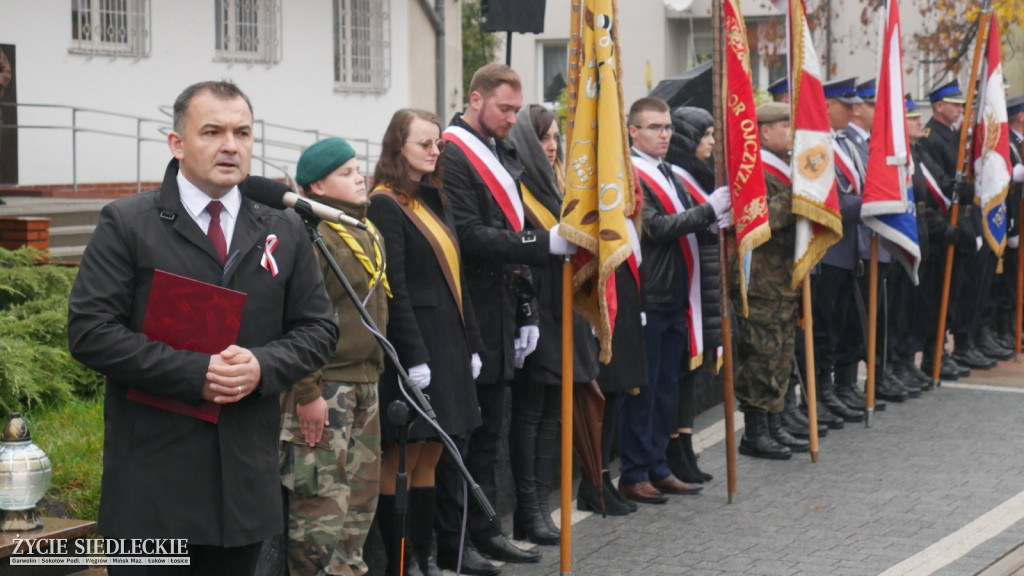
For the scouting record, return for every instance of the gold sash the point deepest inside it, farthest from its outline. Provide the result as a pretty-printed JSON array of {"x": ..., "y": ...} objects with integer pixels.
[
  {"x": 537, "y": 213},
  {"x": 372, "y": 267},
  {"x": 440, "y": 238}
]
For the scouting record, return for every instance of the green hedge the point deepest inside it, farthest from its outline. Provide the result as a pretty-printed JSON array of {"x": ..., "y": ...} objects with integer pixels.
[{"x": 35, "y": 366}]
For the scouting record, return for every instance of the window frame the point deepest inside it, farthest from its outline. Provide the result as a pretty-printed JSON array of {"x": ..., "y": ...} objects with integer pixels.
[
  {"x": 137, "y": 24},
  {"x": 375, "y": 52},
  {"x": 268, "y": 28}
]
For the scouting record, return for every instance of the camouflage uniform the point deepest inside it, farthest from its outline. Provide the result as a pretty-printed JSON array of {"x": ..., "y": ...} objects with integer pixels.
[
  {"x": 765, "y": 338},
  {"x": 333, "y": 487}
]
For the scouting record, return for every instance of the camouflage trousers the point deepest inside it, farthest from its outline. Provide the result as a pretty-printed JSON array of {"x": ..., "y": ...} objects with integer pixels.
[
  {"x": 764, "y": 352},
  {"x": 332, "y": 487}
]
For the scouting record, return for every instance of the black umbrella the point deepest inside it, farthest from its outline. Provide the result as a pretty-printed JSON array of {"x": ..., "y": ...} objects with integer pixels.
[{"x": 691, "y": 88}]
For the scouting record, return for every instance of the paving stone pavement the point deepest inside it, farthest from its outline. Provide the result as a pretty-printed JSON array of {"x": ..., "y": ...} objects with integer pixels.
[{"x": 874, "y": 498}]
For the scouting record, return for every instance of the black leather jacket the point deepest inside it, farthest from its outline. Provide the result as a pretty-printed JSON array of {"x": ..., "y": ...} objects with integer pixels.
[{"x": 662, "y": 259}]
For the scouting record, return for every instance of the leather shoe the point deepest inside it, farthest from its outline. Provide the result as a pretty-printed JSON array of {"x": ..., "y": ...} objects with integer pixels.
[
  {"x": 672, "y": 485},
  {"x": 972, "y": 358},
  {"x": 499, "y": 548},
  {"x": 472, "y": 562},
  {"x": 642, "y": 492}
]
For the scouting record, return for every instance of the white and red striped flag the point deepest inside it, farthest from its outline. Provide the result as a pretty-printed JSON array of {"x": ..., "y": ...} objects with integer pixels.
[
  {"x": 888, "y": 204},
  {"x": 815, "y": 199},
  {"x": 992, "y": 148}
]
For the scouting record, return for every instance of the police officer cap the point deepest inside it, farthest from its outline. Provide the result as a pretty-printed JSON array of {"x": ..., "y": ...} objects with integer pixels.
[
  {"x": 947, "y": 93},
  {"x": 779, "y": 87},
  {"x": 1015, "y": 105},
  {"x": 772, "y": 112},
  {"x": 866, "y": 91},
  {"x": 844, "y": 90},
  {"x": 322, "y": 158},
  {"x": 913, "y": 111}
]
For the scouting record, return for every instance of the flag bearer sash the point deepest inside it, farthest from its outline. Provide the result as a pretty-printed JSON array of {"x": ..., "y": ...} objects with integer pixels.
[
  {"x": 496, "y": 177},
  {"x": 669, "y": 199}
]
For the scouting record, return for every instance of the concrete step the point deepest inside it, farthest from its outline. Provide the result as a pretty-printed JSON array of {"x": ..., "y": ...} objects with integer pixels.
[
  {"x": 67, "y": 253},
  {"x": 61, "y": 236},
  {"x": 62, "y": 212}
]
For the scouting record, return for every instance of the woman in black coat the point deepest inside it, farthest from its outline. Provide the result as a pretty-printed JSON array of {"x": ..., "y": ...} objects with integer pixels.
[
  {"x": 431, "y": 322},
  {"x": 536, "y": 389},
  {"x": 689, "y": 153}
]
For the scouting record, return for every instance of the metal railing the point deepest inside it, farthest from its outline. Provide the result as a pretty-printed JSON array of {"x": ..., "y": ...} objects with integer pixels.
[{"x": 272, "y": 142}]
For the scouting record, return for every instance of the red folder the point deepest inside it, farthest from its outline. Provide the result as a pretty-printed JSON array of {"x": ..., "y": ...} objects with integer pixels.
[{"x": 187, "y": 314}]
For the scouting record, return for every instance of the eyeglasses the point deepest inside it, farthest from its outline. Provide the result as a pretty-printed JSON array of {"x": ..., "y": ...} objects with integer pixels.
[
  {"x": 426, "y": 144},
  {"x": 657, "y": 128}
]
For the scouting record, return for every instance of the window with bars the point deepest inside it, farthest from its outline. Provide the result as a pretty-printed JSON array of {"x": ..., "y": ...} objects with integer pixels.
[
  {"x": 110, "y": 27},
  {"x": 248, "y": 30},
  {"x": 362, "y": 47}
]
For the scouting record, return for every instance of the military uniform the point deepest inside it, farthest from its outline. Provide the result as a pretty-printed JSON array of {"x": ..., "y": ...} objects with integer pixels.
[
  {"x": 766, "y": 337},
  {"x": 333, "y": 486}
]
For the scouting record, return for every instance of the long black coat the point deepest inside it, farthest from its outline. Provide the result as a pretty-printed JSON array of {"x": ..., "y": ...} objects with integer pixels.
[
  {"x": 424, "y": 324},
  {"x": 167, "y": 475},
  {"x": 493, "y": 253}
]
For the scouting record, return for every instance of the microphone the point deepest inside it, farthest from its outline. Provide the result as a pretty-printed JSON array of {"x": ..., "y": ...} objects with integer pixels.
[{"x": 278, "y": 195}]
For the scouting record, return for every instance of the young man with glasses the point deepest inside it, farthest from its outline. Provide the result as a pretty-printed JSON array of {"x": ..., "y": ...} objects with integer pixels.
[{"x": 669, "y": 275}]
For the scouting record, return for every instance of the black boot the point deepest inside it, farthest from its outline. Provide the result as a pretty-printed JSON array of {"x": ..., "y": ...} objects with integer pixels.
[
  {"x": 385, "y": 518},
  {"x": 793, "y": 416},
  {"x": 679, "y": 464},
  {"x": 1003, "y": 326},
  {"x": 589, "y": 499},
  {"x": 527, "y": 523},
  {"x": 758, "y": 442},
  {"x": 827, "y": 396},
  {"x": 547, "y": 460},
  {"x": 985, "y": 342},
  {"x": 609, "y": 489},
  {"x": 889, "y": 388},
  {"x": 892, "y": 372},
  {"x": 422, "y": 505},
  {"x": 924, "y": 380},
  {"x": 948, "y": 370},
  {"x": 964, "y": 353},
  {"x": 780, "y": 435},
  {"x": 687, "y": 442}
]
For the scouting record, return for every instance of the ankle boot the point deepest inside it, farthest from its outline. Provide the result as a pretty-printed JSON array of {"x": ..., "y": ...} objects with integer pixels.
[
  {"x": 589, "y": 499},
  {"x": 845, "y": 381},
  {"x": 687, "y": 442},
  {"x": 893, "y": 372},
  {"x": 779, "y": 434},
  {"x": 387, "y": 521},
  {"x": 422, "y": 505},
  {"x": 609, "y": 490},
  {"x": 964, "y": 353},
  {"x": 799, "y": 408},
  {"x": 679, "y": 464},
  {"x": 758, "y": 442},
  {"x": 547, "y": 461},
  {"x": 827, "y": 396},
  {"x": 889, "y": 388},
  {"x": 1003, "y": 326},
  {"x": 985, "y": 342}
]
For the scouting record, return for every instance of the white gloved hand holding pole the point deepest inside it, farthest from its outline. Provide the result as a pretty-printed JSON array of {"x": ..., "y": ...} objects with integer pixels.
[{"x": 420, "y": 375}]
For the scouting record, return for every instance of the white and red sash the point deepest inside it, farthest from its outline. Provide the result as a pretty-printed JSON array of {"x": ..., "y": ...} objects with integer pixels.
[
  {"x": 670, "y": 201},
  {"x": 934, "y": 188},
  {"x": 699, "y": 194},
  {"x": 776, "y": 167},
  {"x": 496, "y": 177},
  {"x": 847, "y": 166}
]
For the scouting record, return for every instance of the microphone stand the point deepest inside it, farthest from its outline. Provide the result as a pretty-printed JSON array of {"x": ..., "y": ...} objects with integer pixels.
[
  {"x": 398, "y": 415},
  {"x": 305, "y": 211}
]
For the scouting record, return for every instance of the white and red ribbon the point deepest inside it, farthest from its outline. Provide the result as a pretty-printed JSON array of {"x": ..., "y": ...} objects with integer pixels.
[{"x": 268, "y": 261}]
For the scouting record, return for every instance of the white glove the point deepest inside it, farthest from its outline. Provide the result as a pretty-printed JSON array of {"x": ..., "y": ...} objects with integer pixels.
[
  {"x": 1018, "y": 173},
  {"x": 526, "y": 343},
  {"x": 725, "y": 220},
  {"x": 720, "y": 200},
  {"x": 643, "y": 318},
  {"x": 476, "y": 364},
  {"x": 1013, "y": 241},
  {"x": 557, "y": 245},
  {"x": 420, "y": 375},
  {"x": 977, "y": 243}
]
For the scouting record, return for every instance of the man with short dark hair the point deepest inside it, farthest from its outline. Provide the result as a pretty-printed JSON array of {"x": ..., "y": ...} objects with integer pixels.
[
  {"x": 166, "y": 475},
  {"x": 667, "y": 275}
]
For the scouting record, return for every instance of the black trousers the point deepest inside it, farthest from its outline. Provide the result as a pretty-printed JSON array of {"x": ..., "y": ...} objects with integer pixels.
[{"x": 480, "y": 454}]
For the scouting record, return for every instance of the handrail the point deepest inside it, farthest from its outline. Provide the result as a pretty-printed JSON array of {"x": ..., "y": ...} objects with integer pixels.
[{"x": 267, "y": 146}]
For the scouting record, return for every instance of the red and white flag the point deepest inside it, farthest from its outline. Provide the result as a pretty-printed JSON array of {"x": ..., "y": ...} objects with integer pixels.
[
  {"x": 815, "y": 199},
  {"x": 886, "y": 207},
  {"x": 992, "y": 166},
  {"x": 744, "y": 170}
]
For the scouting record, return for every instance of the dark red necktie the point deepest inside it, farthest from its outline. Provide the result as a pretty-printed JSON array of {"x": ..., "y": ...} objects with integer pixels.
[{"x": 214, "y": 232}]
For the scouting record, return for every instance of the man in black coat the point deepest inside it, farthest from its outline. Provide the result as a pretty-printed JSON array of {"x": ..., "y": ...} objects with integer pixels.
[
  {"x": 481, "y": 180},
  {"x": 166, "y": 475}
]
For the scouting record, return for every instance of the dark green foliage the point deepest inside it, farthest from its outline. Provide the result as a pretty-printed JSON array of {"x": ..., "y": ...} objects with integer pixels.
[
  {"x": 35, "y": 366},
  {"x": 478, "y": 47}
]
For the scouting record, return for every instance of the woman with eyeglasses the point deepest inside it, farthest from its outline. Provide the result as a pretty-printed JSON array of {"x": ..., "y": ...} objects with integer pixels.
[
  {"x": 431, "y": 325},
  {"x": 536, "y": 390}
]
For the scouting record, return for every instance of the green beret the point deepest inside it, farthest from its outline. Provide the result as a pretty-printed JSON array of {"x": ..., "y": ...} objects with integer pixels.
[
  {"x": 772, "y": 112},
  {"x": 322, "y": 158}
]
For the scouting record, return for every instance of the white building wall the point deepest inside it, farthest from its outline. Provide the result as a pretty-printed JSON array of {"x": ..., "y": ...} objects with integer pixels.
[{"x": 297, "y": 92}]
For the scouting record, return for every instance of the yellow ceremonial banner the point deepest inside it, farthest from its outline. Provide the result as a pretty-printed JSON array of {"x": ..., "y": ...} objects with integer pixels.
[{"x": 599, "y": 188}]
